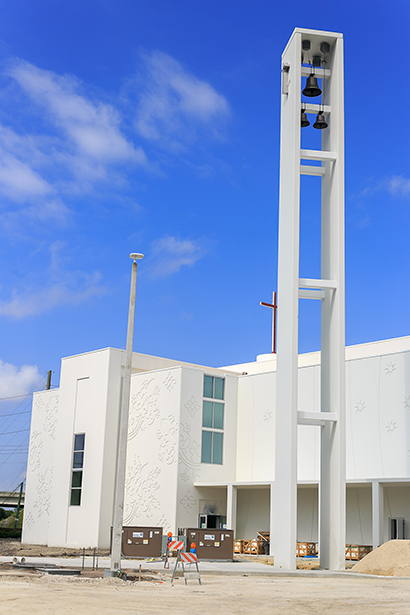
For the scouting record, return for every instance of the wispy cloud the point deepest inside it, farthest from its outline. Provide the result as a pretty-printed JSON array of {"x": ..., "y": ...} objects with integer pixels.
[
  {"x": 92, "y": 127},
  {"x": 17, "y": 380},
  {"x": 170, "y": 254},
  {"x": 63, "y": 287},
  {"x": 175, "y": 105},
  {"x": 398, "y": 185}
]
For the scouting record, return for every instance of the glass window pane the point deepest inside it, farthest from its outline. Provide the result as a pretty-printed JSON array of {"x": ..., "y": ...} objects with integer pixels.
[
  {"x": 208, "y": 386},
  {"x": 206, "y": 446},
  {"x": 219, "y": 388},
  {"x": 77, "y": 479},
  {"x": 207, "y": 414},
  {"x": 79, "y": 442},
  {"x": 78, "y": 460},
  {"x": 217, "y": 448},
  {"x": 218, "y": 415},
  {"x": 75, "y": 497}
]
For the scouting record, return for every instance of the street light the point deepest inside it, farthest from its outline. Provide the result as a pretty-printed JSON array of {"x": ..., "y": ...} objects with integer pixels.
[{"x": 123, "y": 430}]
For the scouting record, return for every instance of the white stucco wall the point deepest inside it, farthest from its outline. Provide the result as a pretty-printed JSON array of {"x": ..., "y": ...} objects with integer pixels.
[{"x": 40, "y": 467}]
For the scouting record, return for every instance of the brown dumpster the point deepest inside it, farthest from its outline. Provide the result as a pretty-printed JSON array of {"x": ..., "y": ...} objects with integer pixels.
[
  {"x": 141, "y": 541},
  {"x": 211, "y": 544}
]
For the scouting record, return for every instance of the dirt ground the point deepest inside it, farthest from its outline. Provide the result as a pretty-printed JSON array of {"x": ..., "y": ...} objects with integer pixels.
[
  {"x": 13, "y": 548},
  {"x": 31, "y": 593}
]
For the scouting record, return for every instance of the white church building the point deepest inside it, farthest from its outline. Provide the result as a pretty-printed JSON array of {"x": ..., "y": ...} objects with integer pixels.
[
  {"x": 201, "y": 446},
  {"x": 312, "y": 448}
]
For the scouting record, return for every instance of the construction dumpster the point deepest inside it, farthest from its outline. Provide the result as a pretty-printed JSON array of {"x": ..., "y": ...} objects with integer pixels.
[
  {"x": 210, "y": 544},
  {"x": 140, "y": 541}
]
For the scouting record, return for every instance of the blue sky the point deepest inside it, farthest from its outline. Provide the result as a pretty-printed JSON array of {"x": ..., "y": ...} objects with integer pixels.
[{"x": 153, "y": 126}]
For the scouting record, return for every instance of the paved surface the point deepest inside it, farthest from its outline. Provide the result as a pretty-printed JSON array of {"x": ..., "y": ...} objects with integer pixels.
[{"x": 241, "y": 568}]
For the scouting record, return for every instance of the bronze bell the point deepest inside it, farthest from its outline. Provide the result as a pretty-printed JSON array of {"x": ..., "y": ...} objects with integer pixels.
[
  {"x": 304, "y": 119},
  {"x": 311, "y": 88},
  {"x": 320, "y": 121}
]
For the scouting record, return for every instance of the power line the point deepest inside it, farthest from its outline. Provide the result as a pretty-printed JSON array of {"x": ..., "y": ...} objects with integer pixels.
[
  {"x": 6, "y": 433},
  {"x": 14, "y": 414},
  {"x": 15, "y": 396}
]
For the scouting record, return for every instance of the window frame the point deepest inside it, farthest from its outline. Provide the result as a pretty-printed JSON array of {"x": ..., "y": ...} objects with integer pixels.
[
  {"x": 77, "y": 468},
  {"x": 215, "y": 450}
]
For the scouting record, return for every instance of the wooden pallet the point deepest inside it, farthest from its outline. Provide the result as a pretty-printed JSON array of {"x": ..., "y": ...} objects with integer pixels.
[
  {"x": 238, "y": 546},
  {"x": 357, "y": 552},
  {"x": 306, "y": 549}
]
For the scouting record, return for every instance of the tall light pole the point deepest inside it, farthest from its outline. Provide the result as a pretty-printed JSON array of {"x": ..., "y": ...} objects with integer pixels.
[{"x": 123, "y": 429}]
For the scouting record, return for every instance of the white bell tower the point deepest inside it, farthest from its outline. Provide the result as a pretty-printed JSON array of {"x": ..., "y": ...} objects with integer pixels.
[{"x": 323, "y": 57}]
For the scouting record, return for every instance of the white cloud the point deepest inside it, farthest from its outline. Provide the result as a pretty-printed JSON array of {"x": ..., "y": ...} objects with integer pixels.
[
  {"x": 92, "y": 127},
  {"x": 398, "y": 185},
  {"x": 17, "y": 381},
  {"x": 169, "y": 254},
  {"x": 175, "y": 104},
  {"x": 73, "y": 289},
  {"x": 18, "y": 181},
  {"x": 64, "y": 287}
]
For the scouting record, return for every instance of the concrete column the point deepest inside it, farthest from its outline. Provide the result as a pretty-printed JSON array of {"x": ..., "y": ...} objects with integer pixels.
[
  {"x": 284, "y": 530},
  {"x": 231, "y": 507},
  {"x": 377, "y": 514},
  {"x": 272, "y": 517},
  {"x": 333, "y": 439}
]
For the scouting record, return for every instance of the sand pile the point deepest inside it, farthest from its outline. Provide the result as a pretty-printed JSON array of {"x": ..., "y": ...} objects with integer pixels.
[{"x": 390, "y": 559}]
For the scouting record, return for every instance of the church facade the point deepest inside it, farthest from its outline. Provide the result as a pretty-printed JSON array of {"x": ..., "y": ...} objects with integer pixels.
[{"x": 201, "y": 447}]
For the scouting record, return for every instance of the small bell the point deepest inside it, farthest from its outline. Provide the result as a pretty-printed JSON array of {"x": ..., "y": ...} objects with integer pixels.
[
  {"x": 311, "y": 88},
  {"x": 304, "y": 119},
  {"x": 320, "y": 121}
]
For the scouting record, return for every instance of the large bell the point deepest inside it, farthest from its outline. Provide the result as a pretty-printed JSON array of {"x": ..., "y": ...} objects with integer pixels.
[
  {"x": 304, "y": 119},
  {"x": 320, "y": 122},
  {"x": 311, "y": 88}
]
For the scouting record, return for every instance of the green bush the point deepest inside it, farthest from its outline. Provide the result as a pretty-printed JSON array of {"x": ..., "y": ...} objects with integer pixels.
[{"x": 10, "y": 532}]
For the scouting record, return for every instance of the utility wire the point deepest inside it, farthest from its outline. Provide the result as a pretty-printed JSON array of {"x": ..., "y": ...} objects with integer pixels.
[
  {"x": 6, "y": 433},
  {"x": 13, "y": 414},
  {"x": 28, "y": 394}
]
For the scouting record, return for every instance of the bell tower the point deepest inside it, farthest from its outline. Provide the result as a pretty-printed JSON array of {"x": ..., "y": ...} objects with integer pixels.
[{"x": 316, "y": 57}]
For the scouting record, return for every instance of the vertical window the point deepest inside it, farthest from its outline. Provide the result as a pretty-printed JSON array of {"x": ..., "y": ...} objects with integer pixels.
[
  {"x": 77, "y": 469},
  {"x": 213, "y": 420}
]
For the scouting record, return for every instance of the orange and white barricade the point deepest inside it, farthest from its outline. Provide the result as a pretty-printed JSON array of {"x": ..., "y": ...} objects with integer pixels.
[
  {"x": 187, "y": 559},
  {"x": 173, "y": 545}
]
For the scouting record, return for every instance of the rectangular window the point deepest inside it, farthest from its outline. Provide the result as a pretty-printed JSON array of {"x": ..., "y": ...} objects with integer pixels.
[
  {"x": 77, "y": 469},
  {"x": 213, "y": 420}
]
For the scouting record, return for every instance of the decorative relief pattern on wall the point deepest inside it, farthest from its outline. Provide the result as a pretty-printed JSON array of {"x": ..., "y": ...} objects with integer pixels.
[
  {"x": 141, "y": 486},
  {"x": 360, "y": 406},
  {"x": 188, "y": 502},
  {"x": 44, "y": 486},
  {"x": 51, "y": 415},
  {"x": 407, "y": 402},
  {"x": 267, "y": 416},
  {"x": 144, "y": 408},
  {"x": 192, "y": 406},
  {"x": 169, "y": 382},
  {"x": 167, "y": 434},
  {"x": 391, "y": 427},
  {"x": 165, "y": 524},
  {"x": 189, "y": 454},
  {"x": 390, "y": 368},
  {"x": 36, "y": 446},
  {"x": 29, "y": 520}
]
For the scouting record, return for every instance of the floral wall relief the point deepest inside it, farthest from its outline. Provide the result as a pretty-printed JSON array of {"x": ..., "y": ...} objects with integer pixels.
[
  {"x": 36, "y": 446},
  {"x": 51, "y": 416},
  {"x": 141, "y": 486},
  {"x": 189, "y": 454},
  {"x": 144, "y": 408},
  {"x": 167, "y": 435},
  {"x": 44, "y": 486}
]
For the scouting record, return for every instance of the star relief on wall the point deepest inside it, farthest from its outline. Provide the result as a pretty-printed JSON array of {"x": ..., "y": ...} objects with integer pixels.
[
  {"x": 391, "y": 426},
  {"x": 360, "y": 406},
  {"x": 407, "y": 402},
  {"x": 390, "y": 368}
]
